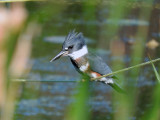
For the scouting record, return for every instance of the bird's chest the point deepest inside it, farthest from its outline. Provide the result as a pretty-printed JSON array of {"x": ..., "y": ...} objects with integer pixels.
[
  {"x": 84, "y": 68},
  {"x": 81, "y": 64}
]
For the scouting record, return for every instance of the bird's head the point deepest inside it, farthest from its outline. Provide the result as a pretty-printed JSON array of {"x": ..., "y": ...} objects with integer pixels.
[{"x": 74, "y": 46}]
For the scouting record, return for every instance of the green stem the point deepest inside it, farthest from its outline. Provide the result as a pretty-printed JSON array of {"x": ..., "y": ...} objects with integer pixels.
[
  {"x": 126, "y": 69},
  {"x": 116, "y": 72}
]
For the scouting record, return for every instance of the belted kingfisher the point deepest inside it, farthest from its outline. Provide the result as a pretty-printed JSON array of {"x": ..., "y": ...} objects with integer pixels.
[{"x": 75, "y": 47}]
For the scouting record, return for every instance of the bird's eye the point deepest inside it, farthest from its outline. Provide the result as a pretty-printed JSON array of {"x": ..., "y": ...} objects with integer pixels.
[
  {"x": 70, "y": 47},
  {"x": 66, "y": 48}
]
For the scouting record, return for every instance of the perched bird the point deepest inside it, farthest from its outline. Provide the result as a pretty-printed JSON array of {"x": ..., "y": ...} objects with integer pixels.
[{"x": 75, "y": 47}]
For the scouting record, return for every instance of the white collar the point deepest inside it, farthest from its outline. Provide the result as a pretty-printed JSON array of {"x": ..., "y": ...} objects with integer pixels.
[{"x": 77, "y": 54}]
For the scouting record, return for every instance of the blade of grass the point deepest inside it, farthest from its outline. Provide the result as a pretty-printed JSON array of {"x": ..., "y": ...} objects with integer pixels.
[
  {"x": 153, "y": 112},
  {"x": 155, "y": 71},
  {"x": 137, "y": 54}
]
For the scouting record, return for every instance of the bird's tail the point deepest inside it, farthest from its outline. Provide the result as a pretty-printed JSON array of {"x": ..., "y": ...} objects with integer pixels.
[
  {"x": 113, "y": 84},
  {"x": 116, "y": 87}
]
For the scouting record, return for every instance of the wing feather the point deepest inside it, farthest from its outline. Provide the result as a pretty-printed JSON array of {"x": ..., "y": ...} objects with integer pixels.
[{"x": 98, "y": 65}]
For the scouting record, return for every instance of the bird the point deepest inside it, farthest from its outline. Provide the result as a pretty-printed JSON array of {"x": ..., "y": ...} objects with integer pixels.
[{"x": 85, "y": 62}]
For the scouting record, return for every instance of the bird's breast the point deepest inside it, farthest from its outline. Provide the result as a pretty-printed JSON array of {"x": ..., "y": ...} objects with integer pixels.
[
  {"x": 84, "y": 68},
  {"x": 83, "y": 64}
]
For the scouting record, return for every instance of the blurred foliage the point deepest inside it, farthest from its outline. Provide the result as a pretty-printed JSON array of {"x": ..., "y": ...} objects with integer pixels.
[
  {"x": 153, "y": 112},
  {"x": 79, "y": 109}
]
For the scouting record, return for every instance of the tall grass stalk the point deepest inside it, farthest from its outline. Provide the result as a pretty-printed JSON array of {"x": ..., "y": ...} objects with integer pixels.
[
  {"x": 153, "y": 112},
  {"x": 136, "y": 58},
  {"x": 15, "y": 67},
  {"x": 155, "y": 71}
]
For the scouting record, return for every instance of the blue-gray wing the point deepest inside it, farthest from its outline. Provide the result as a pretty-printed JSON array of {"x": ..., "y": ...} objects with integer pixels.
[{"x": 98, "y": 65}]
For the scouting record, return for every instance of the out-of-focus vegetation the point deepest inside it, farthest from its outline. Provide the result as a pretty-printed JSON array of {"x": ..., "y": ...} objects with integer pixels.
[
  {"x": 129, "y": 28},
  {"x": 153, "y": 113}
]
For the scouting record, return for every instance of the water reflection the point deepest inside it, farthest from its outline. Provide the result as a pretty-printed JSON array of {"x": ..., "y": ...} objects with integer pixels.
[{"x": 60, "y": 39}]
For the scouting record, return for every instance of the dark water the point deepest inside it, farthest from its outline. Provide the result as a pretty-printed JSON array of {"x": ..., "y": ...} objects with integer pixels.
[{"x": 50, "y": 101}]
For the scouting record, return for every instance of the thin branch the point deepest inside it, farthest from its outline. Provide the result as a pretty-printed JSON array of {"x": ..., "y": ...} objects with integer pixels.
[{"x": 116, "y": 72}]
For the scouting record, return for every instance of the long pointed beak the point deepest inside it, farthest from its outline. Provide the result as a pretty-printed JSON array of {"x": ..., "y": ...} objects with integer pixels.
[{"x": 59, "y": 55}]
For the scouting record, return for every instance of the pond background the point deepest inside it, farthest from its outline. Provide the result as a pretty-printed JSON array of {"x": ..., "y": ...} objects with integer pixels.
[{"x": 120, "y": 32}]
